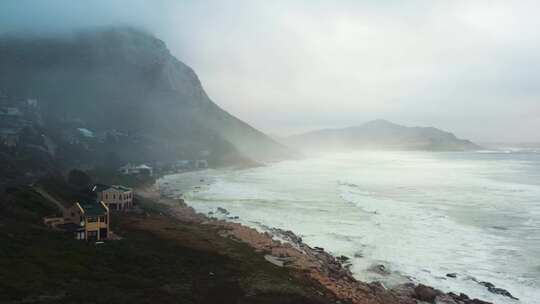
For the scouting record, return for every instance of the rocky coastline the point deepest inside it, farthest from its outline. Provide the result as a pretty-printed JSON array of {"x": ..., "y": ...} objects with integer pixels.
[{"x": 285, "y": 249}]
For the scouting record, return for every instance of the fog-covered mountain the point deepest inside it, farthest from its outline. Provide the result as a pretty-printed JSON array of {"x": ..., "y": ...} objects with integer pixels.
[
  {"x": 380, "y": 134},
  {"x": 122, "y": 91}
]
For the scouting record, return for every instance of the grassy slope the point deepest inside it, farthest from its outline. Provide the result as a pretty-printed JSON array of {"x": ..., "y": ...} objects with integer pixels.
[{"x": 160, "y": 260}]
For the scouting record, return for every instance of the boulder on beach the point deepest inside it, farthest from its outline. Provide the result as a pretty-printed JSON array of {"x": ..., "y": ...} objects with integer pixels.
[
  {"x": 223, "y": 210},
  {"x": 496, "y": 290},
  {"x": 425, "y": 293},
  {"x": 379, "y": 269}
]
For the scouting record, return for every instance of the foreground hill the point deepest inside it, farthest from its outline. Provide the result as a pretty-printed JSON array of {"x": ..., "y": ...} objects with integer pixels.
[
  {"x": 380, "y": 134},
  {"x": 159, "y": 260},
  {"x": 123, "y": 92}
]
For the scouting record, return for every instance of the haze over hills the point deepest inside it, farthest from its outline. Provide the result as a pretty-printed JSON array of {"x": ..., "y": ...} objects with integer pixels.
[
  {"x": 125, "y": 88},
  {"x": 380, "y": 134}
]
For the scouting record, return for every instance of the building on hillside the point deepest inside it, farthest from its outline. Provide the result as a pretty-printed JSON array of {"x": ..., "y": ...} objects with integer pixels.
[
  {"x": 87, "y": 221},
  {"x": 94, "y": 220},
  {"x": 85, "y": 132},
  {"x": 182, "y": 164},
  {"x": 10, "y": 111},
  {"x": 9, "y": 137},
  {"x": 115, "y": 197},
  {"x": 142, "y": 169},
  {"x": 201, "y": 164},
  {"x": 32, "y": 102}
]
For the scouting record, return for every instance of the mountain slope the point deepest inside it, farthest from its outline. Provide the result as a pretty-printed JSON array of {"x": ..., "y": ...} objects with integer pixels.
[
  {"x": 380, "y": 134},
  {"x": 125, "y": 82}
]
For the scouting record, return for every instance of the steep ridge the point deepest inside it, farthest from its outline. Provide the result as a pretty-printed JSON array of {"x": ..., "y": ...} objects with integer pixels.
[{"x": 125, "y": 84}]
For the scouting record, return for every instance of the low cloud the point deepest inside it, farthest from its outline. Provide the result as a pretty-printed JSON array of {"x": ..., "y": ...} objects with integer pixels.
[{"x": 289, "y": 66}]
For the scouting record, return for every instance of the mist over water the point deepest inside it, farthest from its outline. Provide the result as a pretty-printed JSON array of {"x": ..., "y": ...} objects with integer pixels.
[{"x": 421, "y": 215}]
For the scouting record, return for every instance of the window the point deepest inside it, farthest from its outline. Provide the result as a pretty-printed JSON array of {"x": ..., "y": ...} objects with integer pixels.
[
  {"x": 92, "y": 219},
  {"x": 114, "y": 196},
  {"x": 103, "y": 219},
  {"x": 106, "y": 196}
]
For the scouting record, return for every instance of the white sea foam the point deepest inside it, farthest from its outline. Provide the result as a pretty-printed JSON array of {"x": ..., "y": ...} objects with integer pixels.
[{"x": 421, "y": 215}]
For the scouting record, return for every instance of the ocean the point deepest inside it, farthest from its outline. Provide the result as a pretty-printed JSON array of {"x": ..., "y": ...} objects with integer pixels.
[{"x": 421, "y": 215}]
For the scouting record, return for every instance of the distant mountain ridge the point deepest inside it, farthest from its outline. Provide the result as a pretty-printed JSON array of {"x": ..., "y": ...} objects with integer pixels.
[
  {"x": 380, "y": 134},
  {"x": 123, "y": 85}
]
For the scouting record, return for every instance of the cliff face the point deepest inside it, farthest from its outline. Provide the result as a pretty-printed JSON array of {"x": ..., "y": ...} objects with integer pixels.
[
  {"x": 125, "y": 82},
  {"x": 381, "y": 134}
]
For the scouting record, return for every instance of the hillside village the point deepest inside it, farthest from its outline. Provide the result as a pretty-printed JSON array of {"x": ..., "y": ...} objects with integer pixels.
[
  {"x": 26, "y": 137},
  {"x": 34, "y": 144}
]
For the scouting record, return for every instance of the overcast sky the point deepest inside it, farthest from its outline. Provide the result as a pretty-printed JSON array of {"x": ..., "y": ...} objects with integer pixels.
[{"x": 470, "y": 67}]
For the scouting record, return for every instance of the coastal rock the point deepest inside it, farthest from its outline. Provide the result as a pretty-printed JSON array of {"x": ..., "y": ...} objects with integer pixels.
[
  {"x": 287, "y": 235},
  {"x": 343, "y": 259},
  {"x": 379, "y": 269},
  {"x": 404, "y": 290},
  {"x": 500, "y": 291},
  {"x": 445, "y": 299},
  {"x": 223, "y": 210},
  {"x": 426, "y": 293},
  {"x": 452, "y": 275},
  {"x": 463, "y": 298}
]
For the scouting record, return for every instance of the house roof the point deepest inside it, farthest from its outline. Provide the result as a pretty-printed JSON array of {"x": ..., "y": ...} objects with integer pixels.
[
  {"x": 93, "y": 208},
  {"x": 121, "y": 188},
  {"x": 143, "y": 166},
  {"x": 85, "y": 132},
  {"x": 103, "y": 187}
]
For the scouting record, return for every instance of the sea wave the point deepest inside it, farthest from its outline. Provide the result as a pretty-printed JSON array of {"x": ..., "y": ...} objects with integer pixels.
[{"x": 420, "y": 215}]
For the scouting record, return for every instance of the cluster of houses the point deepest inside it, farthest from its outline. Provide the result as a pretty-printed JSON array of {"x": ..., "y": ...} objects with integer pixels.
[
  {"x": 90, "y": 220},
  {"x": 15, "y": 115},
  {"x": 76, "y": 135},
  {"x": 141, "y": 169},
  {"x": 176, "y": 166}
]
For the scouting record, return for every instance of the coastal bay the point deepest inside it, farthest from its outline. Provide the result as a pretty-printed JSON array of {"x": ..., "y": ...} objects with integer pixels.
[{"x": 338, "y": 213}]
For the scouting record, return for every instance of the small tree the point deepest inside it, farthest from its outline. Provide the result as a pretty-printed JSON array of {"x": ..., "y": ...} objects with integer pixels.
[{"x": 79, "y": 179}]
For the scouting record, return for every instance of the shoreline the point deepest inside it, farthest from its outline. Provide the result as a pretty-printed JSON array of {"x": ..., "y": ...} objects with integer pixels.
[{"x": 314, "y": 263}]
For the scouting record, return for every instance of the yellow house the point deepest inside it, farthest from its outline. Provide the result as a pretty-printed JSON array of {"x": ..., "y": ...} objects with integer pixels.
[
  {"x": 94, "y": 221},
  {"x": 88, "y": 221}
]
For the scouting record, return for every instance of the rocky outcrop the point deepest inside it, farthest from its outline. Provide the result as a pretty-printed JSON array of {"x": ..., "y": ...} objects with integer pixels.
[
  {"x": 380, "y": 134},
  {"x": 496, "y": 290},
  {"x": 425, "y": 293}
]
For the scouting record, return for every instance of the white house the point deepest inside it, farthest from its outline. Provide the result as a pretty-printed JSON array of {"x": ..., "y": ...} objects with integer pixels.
[{"x": 142, "y": 169}]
